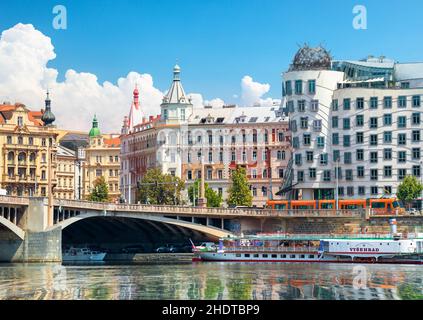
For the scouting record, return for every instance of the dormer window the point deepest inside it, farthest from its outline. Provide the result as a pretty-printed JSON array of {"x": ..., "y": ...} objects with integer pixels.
[{"x": 20, "y": 121}]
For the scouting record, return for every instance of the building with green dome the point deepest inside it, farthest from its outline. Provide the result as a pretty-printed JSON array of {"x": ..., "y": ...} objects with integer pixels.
[{"x": 95, "y": 131}]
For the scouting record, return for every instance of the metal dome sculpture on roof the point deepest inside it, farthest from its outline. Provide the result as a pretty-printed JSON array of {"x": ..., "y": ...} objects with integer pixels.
[{"x": 308, "y": 58}]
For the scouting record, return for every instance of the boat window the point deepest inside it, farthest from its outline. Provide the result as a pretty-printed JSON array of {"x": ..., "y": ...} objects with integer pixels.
[
  {"x": 311, "y": 256},
  {"x": 302, "y": 256},
  {"x": 283, "y": 256},
  {"x": 274, "y": 255},
  {"x": 292, "y": 256},
  {"x": 238, "y": 255},
  {"x": 265, "y": 256},
  {"x": 256, "y": 255},
  {"x": 247, "y": 255}
]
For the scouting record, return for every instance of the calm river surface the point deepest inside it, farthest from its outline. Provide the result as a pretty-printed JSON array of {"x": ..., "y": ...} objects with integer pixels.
[{"x": 209, "y": 281}]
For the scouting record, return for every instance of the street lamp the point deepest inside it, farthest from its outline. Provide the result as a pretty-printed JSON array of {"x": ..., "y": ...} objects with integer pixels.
[{"x": 337, "y": 185}]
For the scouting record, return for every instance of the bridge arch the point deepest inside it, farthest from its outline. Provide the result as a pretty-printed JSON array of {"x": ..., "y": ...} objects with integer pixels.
[
  {"x": 12, "y": 227},
  {"x": 207, "y": 230}
]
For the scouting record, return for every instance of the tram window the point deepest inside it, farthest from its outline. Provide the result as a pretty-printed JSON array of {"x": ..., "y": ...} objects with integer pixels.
[
  {"x": 274, "y": 255},
  {"x": 256, "y": 255},
  {"x": 247, "y": 255}
]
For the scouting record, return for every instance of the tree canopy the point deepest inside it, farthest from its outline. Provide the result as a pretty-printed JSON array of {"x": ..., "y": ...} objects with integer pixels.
[
  {"x": 239, "y": 191},
  {"x": 100, "y": 191},
  {"x": 159, "y": 188},
  {"x": 214, "y": 199},
  {"x": 410, "y": 189}
]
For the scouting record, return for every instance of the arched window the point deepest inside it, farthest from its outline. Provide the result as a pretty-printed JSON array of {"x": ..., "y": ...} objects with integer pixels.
[
  {"x": 22, "y": 157},
  {"x": 11, "y": 156},
  {"x": 32, "y": 157}
]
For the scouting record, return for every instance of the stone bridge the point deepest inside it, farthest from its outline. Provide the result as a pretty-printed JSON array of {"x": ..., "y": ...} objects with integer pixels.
[{"x": 33, "y": 230}]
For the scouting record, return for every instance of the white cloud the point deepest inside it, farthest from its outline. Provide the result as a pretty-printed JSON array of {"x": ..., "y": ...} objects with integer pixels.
[
  {"x": 252, "y": 93},
  {"x": 215, "y": 103},
  {"x": 24, "y": 77}
]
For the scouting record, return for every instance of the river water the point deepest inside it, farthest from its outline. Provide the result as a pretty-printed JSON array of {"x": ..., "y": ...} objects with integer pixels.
[{"x": 226, "y": 281}]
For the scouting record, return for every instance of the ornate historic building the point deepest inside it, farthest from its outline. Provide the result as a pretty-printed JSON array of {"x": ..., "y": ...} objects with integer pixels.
[
  {"x": 100, "y": 159},
  {"x": 183, "y": 139},
  {"x": 65, "y": 173},
  {"x": 28, "y": 148}
]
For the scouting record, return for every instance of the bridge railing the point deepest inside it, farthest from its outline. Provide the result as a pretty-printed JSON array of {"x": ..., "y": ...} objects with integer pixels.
[
  {"x": 14, "y": 200},
  {"x": 187, "y": 210}
]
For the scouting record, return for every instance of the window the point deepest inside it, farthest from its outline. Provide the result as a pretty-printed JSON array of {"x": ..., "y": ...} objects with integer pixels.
[
  {"x": 189, "y": 175},
  {"x": 320, "y": 142},
  {"x": 280, "y": 136},
  {"x": 304, "y": 122},
  {"x": 301, "y": 105},
  {"x": 233, "y": 156},
  {"x": 110, "y": 158},
  {"x": 326, "y": 175},
  {"x": 341, "y": 191},
  {"x": 374, "y": 190},
  {"x": 416, "y": 101},
  {"x": 298, "y": 159},
  {"x": 98, "y": 172},
  {"x": 334, "y": 122},
  {"x": 387, "y": 137},
  {"x": 416, "y": 118},
  {"x": 387, "y": 154},
  {"x": 416, "y": 135},
  {"x": 349, "y": 175},
  {"x": 387, "y": 119},
  {"x": 373, "y": 174},
  {"x": 361, "y": 190},
  {"x": 298, "y": 87},
  {"x": 300, "y": 176},
  {"x": 402, "y": 122},
  {"x": 402, "y": 156},
  {"x": 281, "y": 173},
  {"x": 347, "y": 125},
  {"x": 324, "y": 159},
  {"x": 359, "y": 104},
  {"x": 347, "y": 157},
  {"x": 189, "y": 157},
  {"x": 9, "y": 139},
  {"x": 43, "y": 175},
  {"x": 359, "y": 137},
  {"x": 312, "y": 86},
  {"x": 359, "y": 120},
  {"x": 373, "y": 139},
  {"x": 288, "y": 88},
  {"x": 335, "y": 105},
  {"x": 405, "y": 85},
  {"x": 347, "y": 104},
  {"x": 416, "y": 153},
  {"x": 387, "y": 102},
  {"x": 309, "y": 156},
  {"x": 373, "y": 103},
  {"x": 373, "y": 157},
  {"x": 336, "y": 155},
  {"x": 416, "y": 171},
  {"x": 211, "y": 156},
  {"x": 220, "y": 174},
  {"x": 315, "y": 105},
  {"x": 373, "y": 122},
  {"x": 290, "y": 106},
  {"x": 317, "y": 125},
  {"x": 254, "y": 174},
  {"x": 402, "y": 174},
  {"x": 360, "y": 172},
  {"x": 312, "y": 173},
  {"x": 350, "y": 191},
  {"x": 402, "y": 102},
  {"x": 335, "y": 138},
  {"x": 165, "y": 114},
  {"x": 295, "y": 142},
  {"x": 360, "y": 154},
  {"x": 43, "y": 142},
  {"x": 387, "y": 171},
  {"x": 387, "y": 189},
  {"x": 402, "y": 139},
  {"x": 347, "y": 140}
]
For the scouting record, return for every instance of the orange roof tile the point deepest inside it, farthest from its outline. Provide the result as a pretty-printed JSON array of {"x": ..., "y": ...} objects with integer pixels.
[{"x": 114, "y": 142}]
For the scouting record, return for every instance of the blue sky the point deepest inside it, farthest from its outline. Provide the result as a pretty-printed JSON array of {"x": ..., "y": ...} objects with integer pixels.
[{"x": 216, "y": 42}]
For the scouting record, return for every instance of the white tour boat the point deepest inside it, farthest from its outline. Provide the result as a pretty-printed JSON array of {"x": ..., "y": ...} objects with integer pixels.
[{"x": 82, "y": 254}]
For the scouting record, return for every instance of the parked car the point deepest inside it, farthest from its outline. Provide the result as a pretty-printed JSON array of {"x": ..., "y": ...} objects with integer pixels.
[{"x": 165, "y": 249}]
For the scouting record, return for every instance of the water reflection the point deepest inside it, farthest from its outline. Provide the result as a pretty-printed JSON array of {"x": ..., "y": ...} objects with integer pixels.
[{"x": 208, "y": 281}]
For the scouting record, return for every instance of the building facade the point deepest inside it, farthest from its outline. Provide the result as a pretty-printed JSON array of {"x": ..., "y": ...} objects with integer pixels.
[
  {"x": 356, "y": 125},
  {"x": 65, "y": 173},
  {"x": 183, "y": 139},
  {"x": 28, "y": 149},
  {"x": 100, "y": 159}
]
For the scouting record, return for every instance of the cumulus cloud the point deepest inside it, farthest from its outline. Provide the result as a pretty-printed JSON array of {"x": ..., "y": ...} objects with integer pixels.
[
  {"x": 24, "y": 77},
  {"x": 252, "y": 93},
  {"x": 215, "y": 103}
]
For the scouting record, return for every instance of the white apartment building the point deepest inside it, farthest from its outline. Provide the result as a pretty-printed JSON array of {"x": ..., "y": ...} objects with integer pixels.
[{"x": 360, "y": 118}]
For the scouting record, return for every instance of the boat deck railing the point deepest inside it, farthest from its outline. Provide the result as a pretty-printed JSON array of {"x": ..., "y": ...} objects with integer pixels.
[{"x": 270, "y": 249}]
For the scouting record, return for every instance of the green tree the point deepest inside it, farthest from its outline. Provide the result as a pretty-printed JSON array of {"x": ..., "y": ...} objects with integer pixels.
[
  {"x": 239, "y": 191},
  {"x": 100, "y": 192},
  {"x": 410, "y": 189},
  {"x": 214, "y": 199},
  {"x": 159, "y": 188}
]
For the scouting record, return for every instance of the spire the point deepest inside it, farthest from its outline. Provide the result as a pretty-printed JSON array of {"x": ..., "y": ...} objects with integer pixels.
[
  {"x": 95, "y": 131},
  {"x": 48, "y": 116},
  {"x": 176, "y": 93},
  {"x": 136, "y": 97}
]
